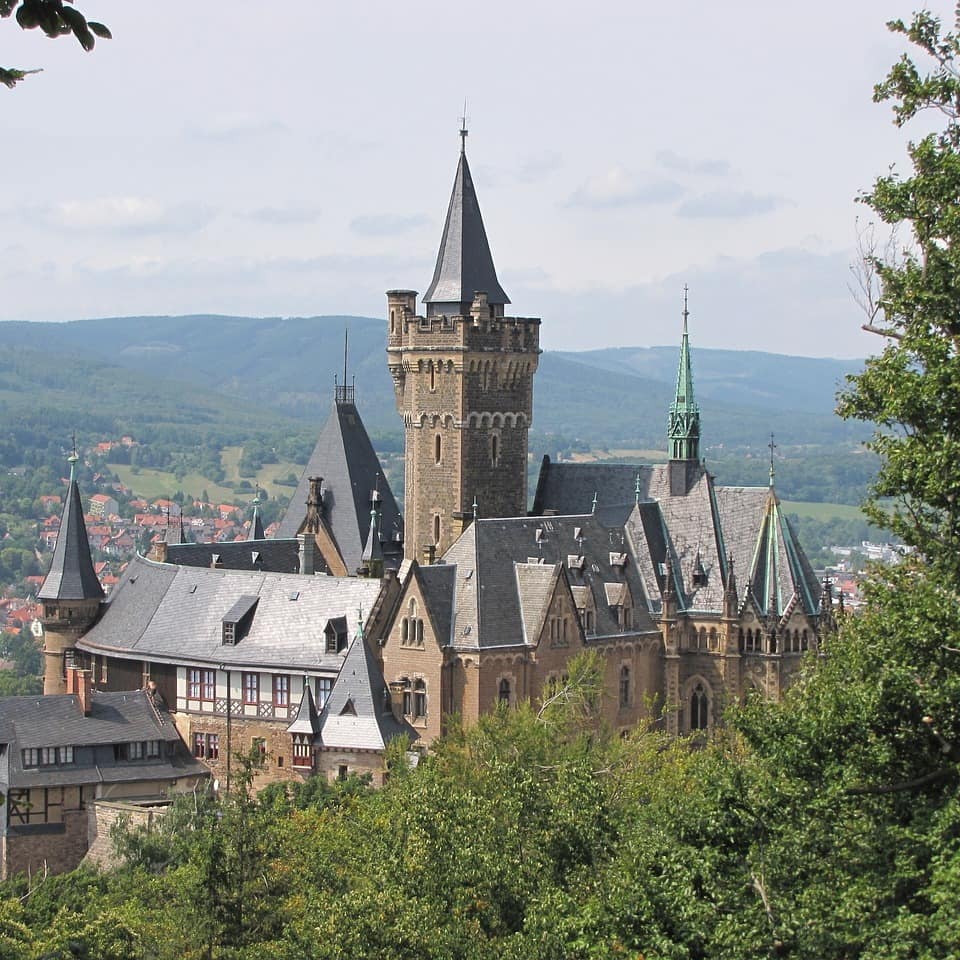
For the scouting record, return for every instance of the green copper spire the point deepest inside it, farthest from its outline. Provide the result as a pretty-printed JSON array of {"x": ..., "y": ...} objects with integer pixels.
[{"x": 684, "y": 425}]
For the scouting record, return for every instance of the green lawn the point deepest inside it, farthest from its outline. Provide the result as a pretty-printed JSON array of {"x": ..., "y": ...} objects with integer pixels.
[
  {"x": 823, "y": 511},
  {"x": 150, "y": 484}
]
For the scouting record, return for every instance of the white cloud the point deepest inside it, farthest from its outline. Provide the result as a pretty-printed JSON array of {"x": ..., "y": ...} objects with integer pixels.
[
  {"x": 619, "y": 187},
  {"x": 126, "y": 215},
  {"x": 673, "y": 161},
  {"x": 387, "y": 225},
  {"x": 729, "y": 204}
]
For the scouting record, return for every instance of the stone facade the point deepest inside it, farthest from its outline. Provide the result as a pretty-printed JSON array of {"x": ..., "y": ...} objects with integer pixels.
[{"x": 464, "y": 387}]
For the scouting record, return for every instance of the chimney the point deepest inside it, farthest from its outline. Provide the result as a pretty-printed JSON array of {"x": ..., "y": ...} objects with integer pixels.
[
  {"x": 308, "y": 553},
  {"x": 80, "y": 685},
  {"x": 314, "y": 505},
  {"x": 396, "y": 699},
  {"x": 159, "y": 551},
  {"x": 430, "y": 554}
]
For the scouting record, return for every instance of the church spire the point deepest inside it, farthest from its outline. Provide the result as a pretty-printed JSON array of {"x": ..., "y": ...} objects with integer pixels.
[
  {"x": 71, "y": 575},
  {"x": 256, "y": 524},
  {"x": 684, "y": 425},
  {"x": 464, "y": 262}
]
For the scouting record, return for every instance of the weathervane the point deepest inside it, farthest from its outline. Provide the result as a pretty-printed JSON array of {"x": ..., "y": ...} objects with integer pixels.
[
  {"x": 686, "y": 312},
  {"x": 464, "y": 132},
  {"x": 772, "y": 447}
]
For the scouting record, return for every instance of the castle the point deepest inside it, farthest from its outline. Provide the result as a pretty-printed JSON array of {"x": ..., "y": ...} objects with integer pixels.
[{"x": 359, "y": 625}]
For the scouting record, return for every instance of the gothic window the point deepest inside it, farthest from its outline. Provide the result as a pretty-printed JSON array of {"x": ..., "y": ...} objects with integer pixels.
[
  {"x": 741, "y": 641},
  {"x": 699, "y": 705},
  {"x": 503, "y": 691},
  {"x": 624, "y": 686},
  {"x": 702, "y": 639},
  {"x": 804, "y": 645},
  {"x": 405, "y": 631},
  {"x": 713, "y": 639}
]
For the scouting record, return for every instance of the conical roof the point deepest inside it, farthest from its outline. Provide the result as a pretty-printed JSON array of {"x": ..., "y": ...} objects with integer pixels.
[
  {"x": 684, "y": 421},
  {"x": 306, "y": 721},
  {"x": 71, "y": 575},
  {"x": 357, "y": 713},
  {"x": 464, "y": 263}
]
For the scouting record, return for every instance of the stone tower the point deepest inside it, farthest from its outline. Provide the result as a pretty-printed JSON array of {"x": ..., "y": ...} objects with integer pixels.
[
  {"x": 684, "y": 423},
  {"x": 71, "y": 593},
  {"x": 463, "y": 376}
]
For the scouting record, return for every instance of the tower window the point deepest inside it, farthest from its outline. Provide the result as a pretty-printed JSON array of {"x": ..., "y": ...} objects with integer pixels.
[
  {"x": 438, "y": 448},
  {"x": 698, "y": 708},
  {"x": 393, "y": 321},
  {"x": 503, "y": 691},
  {"x": 494, "y": 451},
  {"x": 433, "y": 377},
  {"x": 624, "y": 686},
  {"x": 436, "y": 528}
]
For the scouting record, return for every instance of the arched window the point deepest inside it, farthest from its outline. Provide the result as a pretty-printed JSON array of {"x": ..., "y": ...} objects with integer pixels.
[
  {"x": 699, "y": 705},
  {"x": 433, "y": 376},
  {"x": 503, "y": 692},
  {"x": 804, "y": 644},
  {"x": 419, "y": 633},
  {"x": 624, "y": 686},
  {"x": 494, "y": 450},
  {"x": 741, "y": 641},
  {"x": 405, "y": 630},
  {"x": 436, "y": 528},
  {"x": 437, "y": 448},
  {"x": 702, "y": 639},
  {"x": 407, "y": 696},
  {"x": 713, "y": 639}
]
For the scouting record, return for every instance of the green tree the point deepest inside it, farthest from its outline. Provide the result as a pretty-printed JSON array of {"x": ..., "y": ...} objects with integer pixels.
[
  {"x": 911, "y": 290},
  {"x": 55, "y": 19}
]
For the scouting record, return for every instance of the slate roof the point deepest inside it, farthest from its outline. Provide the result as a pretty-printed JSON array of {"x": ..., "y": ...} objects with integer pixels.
[
  {"x": 345, "y": 458},
  {"x": 357, "y": 714},
  {"x": 698, "y": 530},
  {"x": 174, "y": 614},
  {"x": 464, "y": 262},
  {"x": 306, "y": 720},
  {"x": 498, "y": 600},
  {"x": 438, "y": 583},
  {"x": 71, "y": 575},
  {"x": 267, "y": 555},
  {"x": 58, "y": 721}
]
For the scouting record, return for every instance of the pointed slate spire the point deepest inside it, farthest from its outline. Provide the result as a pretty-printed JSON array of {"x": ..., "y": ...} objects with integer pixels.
[
  {"x": 684, "y": 428},
  {"x": 256, "y": 526},
  {"x": 71, "y": 575},
  {"x": 464, "y": 262},
  {"x": 306, "y": 721}
]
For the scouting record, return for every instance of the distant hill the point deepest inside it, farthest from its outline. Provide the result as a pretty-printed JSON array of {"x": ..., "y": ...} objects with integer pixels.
[{"x": 286, "y": 366}]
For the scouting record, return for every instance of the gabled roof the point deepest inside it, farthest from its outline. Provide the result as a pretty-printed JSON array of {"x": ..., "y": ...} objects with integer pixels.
[
  {"x": 464, "y": 263},
  {"x": 174, "y": 614},
  {"x": 357, "y": 714},
  {"x": 71, "y": 575},
  {"x": 58, "y": 721},
  {"x": 351, "y": 470},
  {"x": 499, "y": 598}
]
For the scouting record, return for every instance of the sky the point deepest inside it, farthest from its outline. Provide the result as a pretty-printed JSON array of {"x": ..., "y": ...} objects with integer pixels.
[{"x": 297, "y": 160}]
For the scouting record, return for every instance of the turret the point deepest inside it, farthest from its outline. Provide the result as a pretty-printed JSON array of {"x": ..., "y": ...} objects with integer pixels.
[
  {"x": 684, "y": 422},
  {"x": 71, "y": 593}
]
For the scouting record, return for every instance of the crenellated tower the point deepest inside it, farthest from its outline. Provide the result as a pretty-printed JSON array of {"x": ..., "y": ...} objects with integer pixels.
[{"x": 463, "y": 377}]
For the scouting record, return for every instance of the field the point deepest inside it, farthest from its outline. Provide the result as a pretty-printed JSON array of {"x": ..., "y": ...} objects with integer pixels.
[
  {"x": 823, "y": 511},
  {"x": 151, "y": 484}
]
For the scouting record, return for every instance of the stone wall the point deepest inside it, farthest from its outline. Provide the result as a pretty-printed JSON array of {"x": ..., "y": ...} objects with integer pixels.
[
  {"x": 102, "y": 815},
  {"x": 47, "y": 847}
]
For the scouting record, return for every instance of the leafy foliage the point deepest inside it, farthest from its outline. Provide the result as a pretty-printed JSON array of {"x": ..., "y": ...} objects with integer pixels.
[{"x": 56, "y": 19}]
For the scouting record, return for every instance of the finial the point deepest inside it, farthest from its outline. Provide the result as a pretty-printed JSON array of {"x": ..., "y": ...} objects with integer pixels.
[
  {"x": 346, "y": 340},
  {"x": 73, "y": 458},
  {"x": 686, "y": 312},
  {"x": 464, "y": 132},
  {"x": 772, "y": 447},
  {"x": 636, "y": 489},
  {"x": 593, "y": 508},
  {"x": 256, "y": 497},
  {"x": 475, "y": 507},
  {"x": 360, "y": 622}
]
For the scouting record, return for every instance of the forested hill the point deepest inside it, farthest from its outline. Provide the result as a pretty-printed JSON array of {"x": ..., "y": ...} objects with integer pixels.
[{"x": 617, "y": 397}]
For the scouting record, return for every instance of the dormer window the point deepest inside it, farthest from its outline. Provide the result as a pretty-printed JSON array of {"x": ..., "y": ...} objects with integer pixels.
[
  {"x": 335, "y": 634},
  {"x": 237, "y": 619}
]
